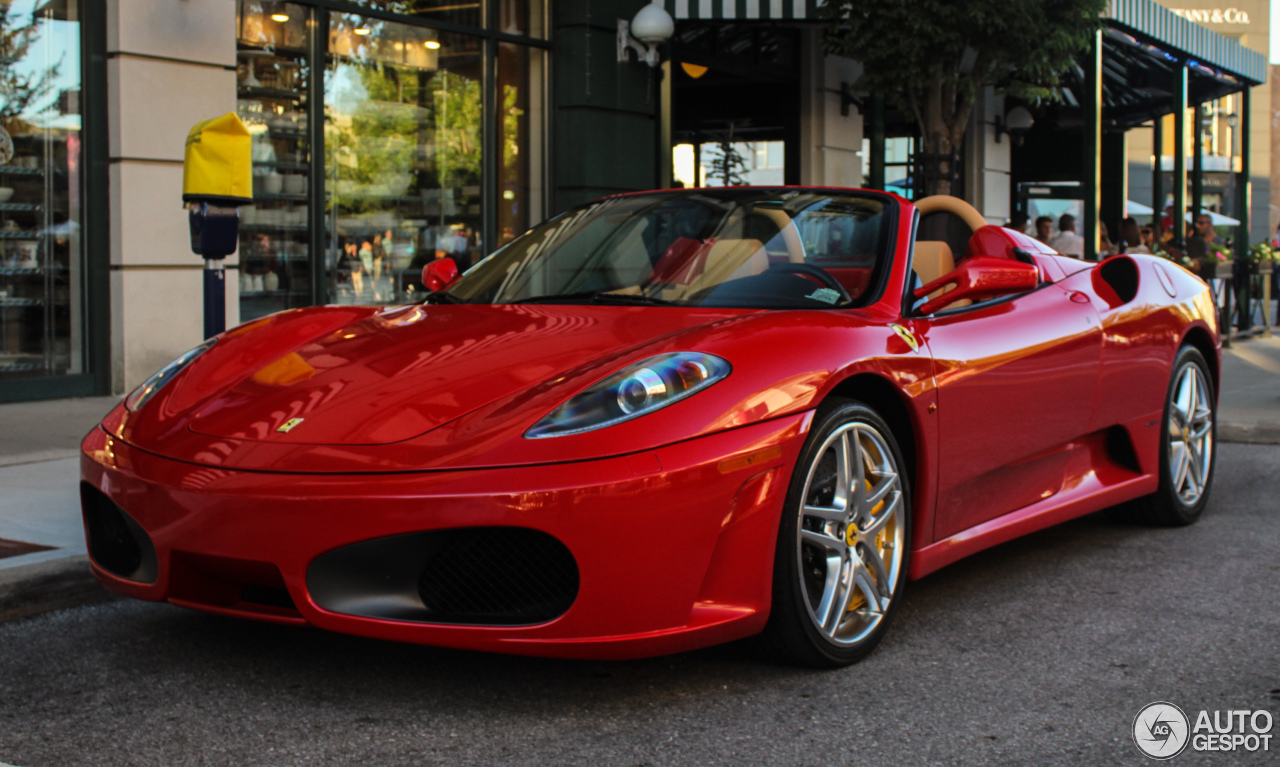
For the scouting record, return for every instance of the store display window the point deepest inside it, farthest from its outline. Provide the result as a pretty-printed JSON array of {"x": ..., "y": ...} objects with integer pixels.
[
  {"x": 382, "y": 142},
  {"x": 42, "y": 330},
  {"x": 272, "y": 75},
  {"x": 403, "y": 155}
]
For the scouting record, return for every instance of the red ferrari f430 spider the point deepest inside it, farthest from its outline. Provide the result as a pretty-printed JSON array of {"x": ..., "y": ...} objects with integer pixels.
[{"x": 661, "y": 421}]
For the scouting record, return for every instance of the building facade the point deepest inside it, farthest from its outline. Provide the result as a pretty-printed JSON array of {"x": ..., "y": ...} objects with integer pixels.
[
  {"x": 387, "y": 133},
  {"x": 1222, "y": 124}
]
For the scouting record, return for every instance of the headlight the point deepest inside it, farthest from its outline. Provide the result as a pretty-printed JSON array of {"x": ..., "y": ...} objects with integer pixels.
[
  {"x": 157, "y": 381},
  {"x": 632, "y": 392}
]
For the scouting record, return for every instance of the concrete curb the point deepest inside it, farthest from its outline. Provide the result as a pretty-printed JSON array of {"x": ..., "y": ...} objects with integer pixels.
[
  {"x": 1251, "y": 433},
  {"x": 27, "y": 590},
  {"x": 40, "y": 456}
]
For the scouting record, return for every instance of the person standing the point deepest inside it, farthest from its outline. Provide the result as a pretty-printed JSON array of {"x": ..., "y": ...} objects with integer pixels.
[
  {"x": 1133, "y": 237},
  {"x": 1044, "y": 229},
  {"x": 1068, "y": 242},
  {"x": 1017, "y": 222},
  {"x": 1205, "y": 241}
]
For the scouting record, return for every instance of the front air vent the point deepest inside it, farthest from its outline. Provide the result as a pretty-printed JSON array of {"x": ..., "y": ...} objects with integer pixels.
[
  {"x": 499, "y": 575},
  {"x": 483, "y": 576},
  {"x": 117, "y": 543}
]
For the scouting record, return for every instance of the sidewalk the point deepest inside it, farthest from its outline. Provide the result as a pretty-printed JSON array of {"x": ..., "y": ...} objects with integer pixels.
[{"x": 40, "y": 505}]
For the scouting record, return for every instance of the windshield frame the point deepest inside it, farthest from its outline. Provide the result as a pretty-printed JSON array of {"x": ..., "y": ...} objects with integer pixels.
[{"x": 876, "y": 285}]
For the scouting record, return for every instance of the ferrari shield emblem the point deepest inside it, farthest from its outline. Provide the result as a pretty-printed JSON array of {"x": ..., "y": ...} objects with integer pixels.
[
  {"x": 908, "y": 336},
  {"x": 289, "y": 424}
]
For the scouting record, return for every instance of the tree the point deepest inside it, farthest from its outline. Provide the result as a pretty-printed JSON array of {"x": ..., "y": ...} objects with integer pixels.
[
  {"x": 931, "y": 57},
  {"x": 22, "y": 85}
]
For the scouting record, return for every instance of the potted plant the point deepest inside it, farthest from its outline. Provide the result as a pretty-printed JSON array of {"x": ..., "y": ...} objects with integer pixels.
[
  {"x": 1216, "y": 263},
  {"x": 1260, "y": 258}
]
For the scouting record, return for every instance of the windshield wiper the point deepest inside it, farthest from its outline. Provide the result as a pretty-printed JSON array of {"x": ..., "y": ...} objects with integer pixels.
[
  {"x": 598, "y": 297},
  {"x": 441, "y": 297}
]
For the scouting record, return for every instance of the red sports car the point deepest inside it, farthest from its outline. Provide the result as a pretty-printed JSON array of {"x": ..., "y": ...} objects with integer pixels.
[{"x": 662, "y": 421}]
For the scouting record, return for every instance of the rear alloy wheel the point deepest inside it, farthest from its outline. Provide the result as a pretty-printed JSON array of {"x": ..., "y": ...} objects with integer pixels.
[
  {"x": 1187, "y": 448},
  {"x": 842, "y": 550}
]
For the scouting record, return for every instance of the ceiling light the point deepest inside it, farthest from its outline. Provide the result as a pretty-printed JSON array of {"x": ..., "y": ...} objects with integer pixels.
[
  {"x": 280, "y": 17},
  {"x": 432, "y": 44},
  {"x": 362, "y": 31}
]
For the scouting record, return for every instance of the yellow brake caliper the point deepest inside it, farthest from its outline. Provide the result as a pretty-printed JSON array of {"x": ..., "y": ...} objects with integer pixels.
[{"x": 857, "y": 600}]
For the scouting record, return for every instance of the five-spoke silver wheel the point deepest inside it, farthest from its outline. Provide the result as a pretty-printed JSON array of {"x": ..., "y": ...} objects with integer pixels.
[
  {"x": 1190, "y": 435},
  {"x": 850, "y": 538}
]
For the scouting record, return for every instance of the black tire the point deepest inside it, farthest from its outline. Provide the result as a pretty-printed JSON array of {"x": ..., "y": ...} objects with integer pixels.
[
  {"x": 1167, "y": 507},
  {"x": 793, "y": 633}
]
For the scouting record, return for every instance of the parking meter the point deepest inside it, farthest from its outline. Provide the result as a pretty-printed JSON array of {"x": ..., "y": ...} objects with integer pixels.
[{"x": 217, "y": 176}]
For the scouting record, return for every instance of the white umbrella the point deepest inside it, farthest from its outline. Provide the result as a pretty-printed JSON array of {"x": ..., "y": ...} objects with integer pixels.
[
  {"x": 1137, "y": 209},
  {"x": 1217, "y": 218}
]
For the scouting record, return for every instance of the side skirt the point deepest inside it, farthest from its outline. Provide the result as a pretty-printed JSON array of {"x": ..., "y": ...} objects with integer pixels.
[{"x": 1094, "y": 482}]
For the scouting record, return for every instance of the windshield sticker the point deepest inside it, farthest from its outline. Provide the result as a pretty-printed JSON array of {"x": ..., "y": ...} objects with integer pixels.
[{"x": 826, "y": 295}]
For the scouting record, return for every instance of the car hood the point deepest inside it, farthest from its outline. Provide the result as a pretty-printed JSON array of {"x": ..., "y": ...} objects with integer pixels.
[{"x": 396, "y": 374}]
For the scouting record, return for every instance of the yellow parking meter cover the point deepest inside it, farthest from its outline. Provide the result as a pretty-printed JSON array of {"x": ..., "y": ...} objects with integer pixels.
[{"x": 218, "y": 166}]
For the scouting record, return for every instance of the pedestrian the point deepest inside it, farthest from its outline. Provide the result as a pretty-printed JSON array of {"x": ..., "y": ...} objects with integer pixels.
[
  {"x": 1131, "y": 237},
  {"x": 1203, "y": 240},
  {"x": 1068, "y": 242},
  {"x": 1018, "y": 222},
  {"x": 1105, "y": 246},
  {"x": 1044, "y": 229}
]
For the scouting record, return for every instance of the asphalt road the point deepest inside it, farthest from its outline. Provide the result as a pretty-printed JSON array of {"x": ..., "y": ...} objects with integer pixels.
[{"x": 1038, "y": 652}]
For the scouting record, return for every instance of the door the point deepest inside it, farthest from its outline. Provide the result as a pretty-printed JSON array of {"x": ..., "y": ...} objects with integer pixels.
[{"x": 1017, "y": 380}]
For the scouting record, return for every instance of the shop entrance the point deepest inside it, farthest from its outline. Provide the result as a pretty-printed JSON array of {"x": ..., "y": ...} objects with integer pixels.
[{"x": 735, "y": 103}]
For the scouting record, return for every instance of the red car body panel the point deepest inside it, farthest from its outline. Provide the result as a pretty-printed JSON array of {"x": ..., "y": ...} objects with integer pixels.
[{"x": 415, "y": 416}]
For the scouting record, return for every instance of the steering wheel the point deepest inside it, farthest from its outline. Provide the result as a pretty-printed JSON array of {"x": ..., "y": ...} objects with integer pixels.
[{"x": 822, "y": 276}]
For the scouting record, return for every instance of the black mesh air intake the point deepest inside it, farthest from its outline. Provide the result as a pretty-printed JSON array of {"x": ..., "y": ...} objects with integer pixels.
[
  {"x": 498, "y": 575},
  {"x": 117, "y": 543}
]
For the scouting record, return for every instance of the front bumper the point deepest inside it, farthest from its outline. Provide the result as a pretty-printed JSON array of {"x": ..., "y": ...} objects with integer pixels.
[{"x": 674, "y": 547}]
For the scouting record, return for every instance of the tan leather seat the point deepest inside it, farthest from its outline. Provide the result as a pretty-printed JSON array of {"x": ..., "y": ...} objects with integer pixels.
[
  {"x": 728, "y": 259},
  {"x": 933, "y": 259}
]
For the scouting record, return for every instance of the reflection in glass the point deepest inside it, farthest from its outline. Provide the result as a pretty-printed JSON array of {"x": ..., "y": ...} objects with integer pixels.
[
  {"x": 467, "y": 12},
  {"x": 403, "y": 141},
  {"x": 521, "y": 17},
  {"x": 41, "y": 167},
  {"x": 272, "y": 77},
  {"x": 520, "y": 140}
]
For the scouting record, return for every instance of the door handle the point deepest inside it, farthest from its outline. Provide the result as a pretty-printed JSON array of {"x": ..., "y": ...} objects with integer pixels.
[{"x": 1078, "y": 297}]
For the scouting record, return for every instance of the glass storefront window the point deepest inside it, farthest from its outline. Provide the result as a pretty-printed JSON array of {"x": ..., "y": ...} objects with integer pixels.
[
  {"x": 41, "y": 190},
  {"x": 466, "y": 12},
  {"x": 522, "y": 17},
  {"x": 272, "y": 78},
  {"x": 520, "y": 139},
  {"x": 403, "y": 155}
]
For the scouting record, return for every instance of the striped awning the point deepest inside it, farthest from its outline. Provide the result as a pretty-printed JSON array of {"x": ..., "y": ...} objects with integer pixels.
[
  {"x": 744, "y": 10},
  {"x": 1200, "y": 44}
]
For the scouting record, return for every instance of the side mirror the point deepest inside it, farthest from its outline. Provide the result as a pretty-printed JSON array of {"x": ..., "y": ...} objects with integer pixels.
[
  {"x": 980, "y": 278},
  {"x": 439, "y": 274}
]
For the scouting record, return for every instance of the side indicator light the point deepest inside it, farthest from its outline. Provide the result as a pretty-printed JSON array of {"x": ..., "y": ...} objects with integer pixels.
[{"x": 730, "y": 465}]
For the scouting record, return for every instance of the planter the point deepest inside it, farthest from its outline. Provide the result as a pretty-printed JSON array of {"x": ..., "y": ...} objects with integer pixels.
[{"x": 1213, "y": 269}]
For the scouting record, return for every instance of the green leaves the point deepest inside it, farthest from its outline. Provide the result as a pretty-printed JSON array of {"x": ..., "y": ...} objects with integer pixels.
[{"x": 931, "y": 57}]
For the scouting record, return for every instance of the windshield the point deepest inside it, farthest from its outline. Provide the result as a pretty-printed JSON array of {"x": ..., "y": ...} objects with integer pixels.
[{"x": 743, "y": 247}]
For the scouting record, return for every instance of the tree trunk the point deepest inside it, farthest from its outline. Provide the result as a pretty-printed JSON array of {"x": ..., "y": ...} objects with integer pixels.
[{"x": 943, "y": 121}]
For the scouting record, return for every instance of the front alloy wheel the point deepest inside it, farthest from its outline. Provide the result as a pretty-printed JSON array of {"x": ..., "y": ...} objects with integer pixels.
[{"x": 842, "y": 544}]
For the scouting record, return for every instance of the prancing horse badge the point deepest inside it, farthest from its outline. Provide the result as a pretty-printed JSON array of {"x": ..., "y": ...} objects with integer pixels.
[
  {"x": 908, "y": 336},
  {"x": 289, "y": 424}
]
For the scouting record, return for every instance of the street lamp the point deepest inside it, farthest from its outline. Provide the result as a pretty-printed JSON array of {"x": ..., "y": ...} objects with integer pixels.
[{"x": 650, "y": 26}]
